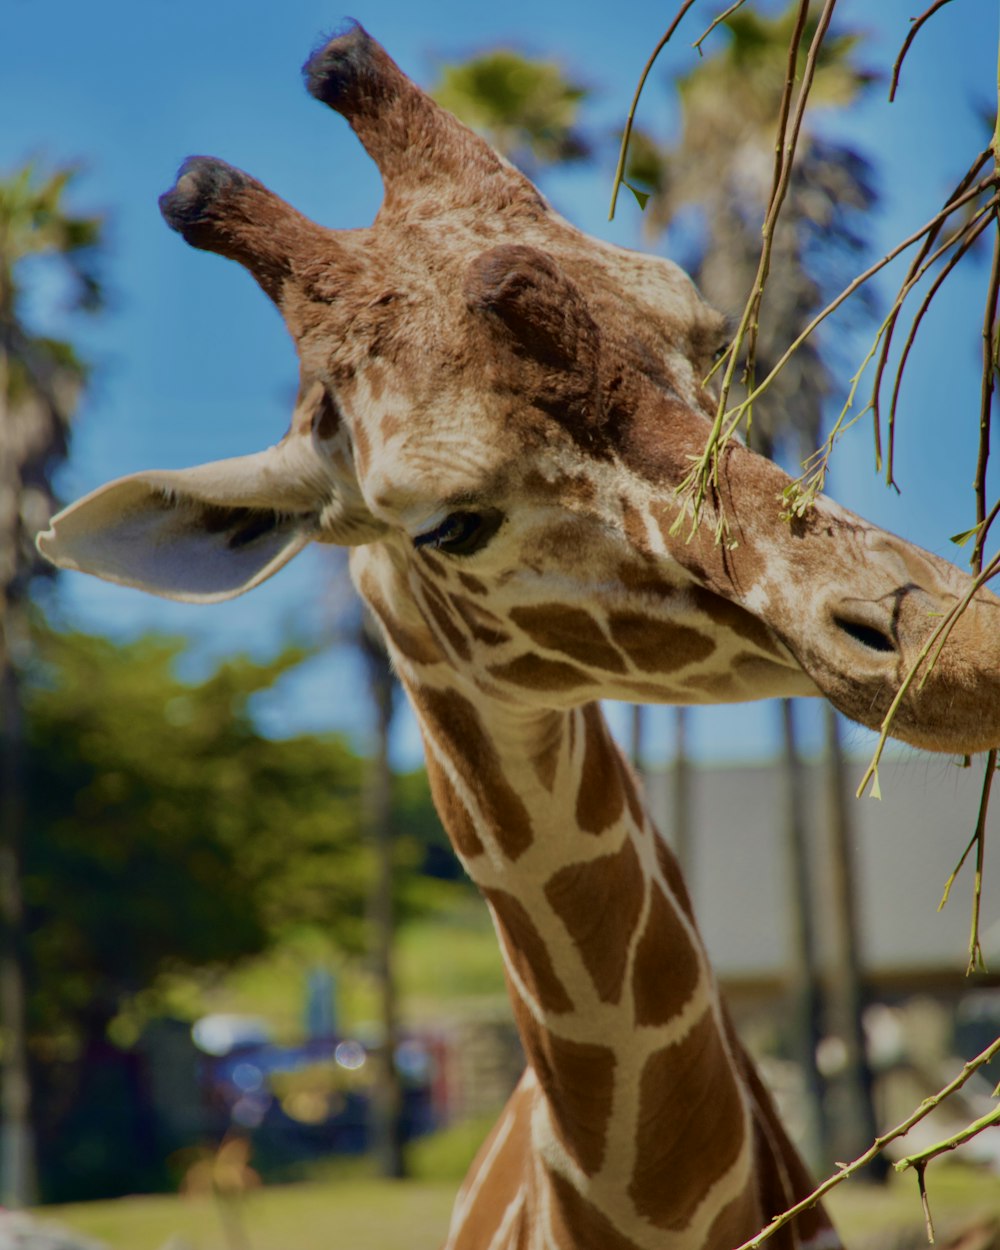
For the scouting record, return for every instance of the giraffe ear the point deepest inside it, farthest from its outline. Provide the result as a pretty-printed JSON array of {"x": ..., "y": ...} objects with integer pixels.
[
  {"x": 200, "y": 535},
  {"x": 542, "y": 311}
]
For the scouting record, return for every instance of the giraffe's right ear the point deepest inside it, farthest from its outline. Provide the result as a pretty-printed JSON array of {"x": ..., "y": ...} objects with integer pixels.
[{"x": 200, "y": 535}]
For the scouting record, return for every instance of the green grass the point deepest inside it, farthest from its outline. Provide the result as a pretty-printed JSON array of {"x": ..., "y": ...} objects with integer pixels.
[
  {"x": 341, "y": 1213},
  {"x": 360, "y": 1215}
]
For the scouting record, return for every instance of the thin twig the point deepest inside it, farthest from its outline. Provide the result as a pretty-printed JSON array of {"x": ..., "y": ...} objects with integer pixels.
[
  {"x": 918, "y": 259},
  {"x": 917, "y": 22},
  {"x": 924, "y": 1202},
  {"x": 627, "y": 132},
  {"x": 784, "y": 155},
  {"x": 726, "y": 423},
  {"x": 718, "y": 22},
  {"x": 923, "y": 1157},
  {"x": 973, "y": 233},
  {"x": 849, "y": 1169},
  {"x": 986, "y": 402}
]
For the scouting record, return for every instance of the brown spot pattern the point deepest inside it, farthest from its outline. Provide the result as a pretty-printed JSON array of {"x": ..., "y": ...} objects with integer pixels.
[
  {"x": 577, "y": 1079},
  {"x": 571, "y": 631},
  {"x": 439, "y": 611},
  {"x": 413, "y": 646},
  {"x": 600, "y": 799},
  {"x": 730, "y": 616},
  {"x": 456, "y": 727},
  {"x": 503, "y": 1182},
  {"x": 578, "y": 1225},
  {"x": 527, "y": 953},
  {"x": 666, "y": 971},
  {"x": 534, "y": 673},
  {"x": 482, "y": 624},
  {"x": 472, "y": 584},
  {"x": 635, "y": 526},
  {"x": 658, "y": 646},
  {"x": 599, "y": 902},
  {"x": 326, "y": 420},
  {"x": 689, "y": 1086},
  {"x": 631, "y": 788},
  {"x": 738, "y": 1221},
  {"x": 671, "y": 870},
  {"x": 454, "y": 814}
]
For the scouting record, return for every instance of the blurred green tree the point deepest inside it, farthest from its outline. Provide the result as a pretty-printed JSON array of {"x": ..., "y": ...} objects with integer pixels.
[
  {"x": 170, "y": 835},
  {"x": 525, "y": 107},
  {"x": 41, "y": 379}
]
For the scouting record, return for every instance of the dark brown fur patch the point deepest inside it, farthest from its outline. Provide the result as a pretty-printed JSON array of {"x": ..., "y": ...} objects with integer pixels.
[
  {"x": 577, "y": 1079},
  {"x": 600, "y": 799},
  {"x": 472, "y": 584},
  {"x": 527, "y": 952},
  {"x": 455, "y": 725},
  {"x": 413, "y": 646},
  {"x": 454, "y": 814},
  {"x": 666, "y": 971},
  {"x": 738, "y": 1221},
  {"x": 631, "y": 789},
  {"x": 658, "y": 646},
  {"x": 690, "y": 1087},
  {"x": 534, "y": 673},
  {"x": 729, "y": 615},
  {"x": 599, "y": 902},
  {"x": 635, "y": 526},
  {"x": 326, "y": 419},
  {"x": 485, "y": 626},
  {"x": 578, "y": 1225},
  {"x": 502, "y": 1183},
  {"x": 571, "y": 631},
  {"x": 442, "y": 618},
  {"x": 672, "y": 875}
]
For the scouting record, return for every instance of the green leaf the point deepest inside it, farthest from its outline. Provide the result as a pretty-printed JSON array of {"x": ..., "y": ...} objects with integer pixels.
[
  {"x": 641, "y": 197},
  {"x": 961, "y": 539}
]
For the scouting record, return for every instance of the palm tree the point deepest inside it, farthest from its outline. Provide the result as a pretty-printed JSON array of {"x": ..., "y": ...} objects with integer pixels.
[
  {"x": 525, "y": 107},
  {"x": 40, "y": 383},
  {"x": 715, "y": 180}
]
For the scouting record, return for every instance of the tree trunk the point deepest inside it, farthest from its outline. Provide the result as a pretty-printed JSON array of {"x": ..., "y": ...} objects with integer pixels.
[
  {"x": 387, "y": 1093},
  {"x": 17, "y": 1146},
  {"x": 807, "y": 1004},
  {"x": 855, "y": 1122}
]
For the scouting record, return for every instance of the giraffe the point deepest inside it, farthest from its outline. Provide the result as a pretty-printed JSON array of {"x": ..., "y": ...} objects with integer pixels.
[{"x": 494, "y": 414}]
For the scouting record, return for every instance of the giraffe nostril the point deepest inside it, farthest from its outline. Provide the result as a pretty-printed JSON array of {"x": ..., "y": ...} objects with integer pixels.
[{"x": 868, "y": 635}]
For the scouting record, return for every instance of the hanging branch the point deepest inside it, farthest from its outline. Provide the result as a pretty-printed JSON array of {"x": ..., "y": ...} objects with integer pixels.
[
  {"x": 619, "y": 179},
  {"x": 717, "y": 22},
  {"x": 703, "y": 476},
  {"x": 917, "y": 22},
  {"x": 800, "y": 493},
  {"x": 918, "y": 260},
  {"x": 849, "y": 1169}
]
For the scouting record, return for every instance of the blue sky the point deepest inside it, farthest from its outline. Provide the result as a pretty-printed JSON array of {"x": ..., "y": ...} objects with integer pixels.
[{"x": 192, "y": 363}]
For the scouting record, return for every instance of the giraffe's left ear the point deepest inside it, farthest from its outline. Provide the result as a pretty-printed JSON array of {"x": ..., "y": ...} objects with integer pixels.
[{"x": 200, "y": 535}]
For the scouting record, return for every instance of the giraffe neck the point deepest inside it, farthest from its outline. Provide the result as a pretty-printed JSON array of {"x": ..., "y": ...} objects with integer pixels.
[
  {"x": 639, "y": 1125},
  {"x": 635, "y": 1077}
]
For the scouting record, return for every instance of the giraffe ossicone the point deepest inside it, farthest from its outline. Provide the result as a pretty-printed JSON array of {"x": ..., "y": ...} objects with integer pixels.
[{"x": 495, "y": 413}]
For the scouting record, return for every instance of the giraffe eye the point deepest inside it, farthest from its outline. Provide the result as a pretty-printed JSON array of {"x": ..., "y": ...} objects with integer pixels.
[{"x": 461, "y": 533}]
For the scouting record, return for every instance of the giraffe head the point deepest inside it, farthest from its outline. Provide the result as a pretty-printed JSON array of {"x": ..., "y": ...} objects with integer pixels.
[{"x": 495, "y": 412}]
